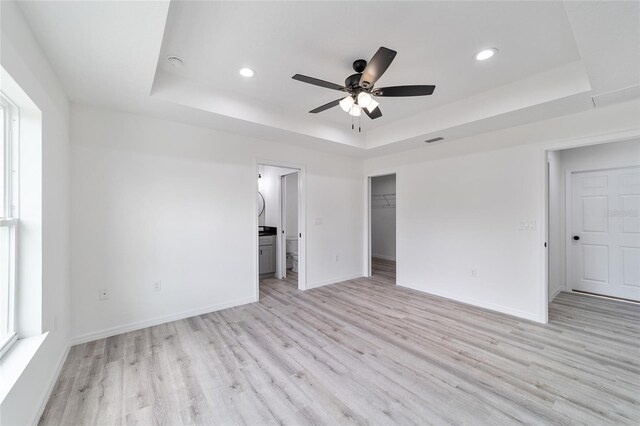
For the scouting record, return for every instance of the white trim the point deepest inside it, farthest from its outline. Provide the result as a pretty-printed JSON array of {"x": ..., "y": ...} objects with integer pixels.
[
  {"x": 17, "y": 361},
  {"x": 334, "y": 281},
  {"x": 555, "y": 293},
  {"x": 9, "y": 340},
  {"x": 558, "y": 145},
  {"x": 50, "y": 386},
  {"x": 9, "y": 222},
  {"x": 481, "y": 304},
  {"x": 137, "y": 325},
  {"x": 568, "y": 209},
  {"x": 283, "y": 231},
  {"x": 302, "y": 222},
  {"x": 11, "y": 202}
]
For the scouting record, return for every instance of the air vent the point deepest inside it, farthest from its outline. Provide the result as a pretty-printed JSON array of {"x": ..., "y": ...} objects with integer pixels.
[{"x": 434, "y": 140}]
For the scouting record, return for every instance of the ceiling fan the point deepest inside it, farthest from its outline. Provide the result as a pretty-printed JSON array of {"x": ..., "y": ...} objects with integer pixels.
[{"x": 360, "y": 86}]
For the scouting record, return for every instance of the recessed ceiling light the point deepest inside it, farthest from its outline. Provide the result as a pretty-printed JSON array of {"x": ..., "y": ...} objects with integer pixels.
[
  {"x": 174, "y": 61},
  {"x": 485, "y": 54},
  {"x": 246, "y": 72}
]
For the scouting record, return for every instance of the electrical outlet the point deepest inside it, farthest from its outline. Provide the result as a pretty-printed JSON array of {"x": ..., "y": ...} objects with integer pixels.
[
  {"x": 336, "y": 258},
  {"x": 157, "y": 286},
  {"x": 317, "y": 221},
  {"x": 103, "y": 294},
  {"x": 474, "y": 273}
]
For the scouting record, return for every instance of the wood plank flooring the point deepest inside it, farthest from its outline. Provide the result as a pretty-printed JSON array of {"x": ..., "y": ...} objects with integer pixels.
[
  {"x": 383, "y": 270},
  {"x": 361, "y": 352}
]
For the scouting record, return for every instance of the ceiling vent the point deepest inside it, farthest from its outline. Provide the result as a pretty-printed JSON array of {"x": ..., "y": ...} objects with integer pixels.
[
  {"x": 434, "y": 140},
  {"x": 616, "y": 96}
]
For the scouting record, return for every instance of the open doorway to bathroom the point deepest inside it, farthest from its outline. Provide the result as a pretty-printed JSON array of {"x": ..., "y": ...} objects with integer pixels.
[
  {"x": 280, "y": 228},
  {"x": 382, "y": 222}
]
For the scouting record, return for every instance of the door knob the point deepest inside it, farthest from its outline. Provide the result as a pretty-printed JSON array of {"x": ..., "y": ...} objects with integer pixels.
[{"x": 575, "y": 237}]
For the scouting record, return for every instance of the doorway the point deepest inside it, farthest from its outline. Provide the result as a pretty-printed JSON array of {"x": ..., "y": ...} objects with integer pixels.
[
  {"x": 280, "y": 236},
  {"x": 594, "y": 220},
  {"x": 382, "y": 228}
]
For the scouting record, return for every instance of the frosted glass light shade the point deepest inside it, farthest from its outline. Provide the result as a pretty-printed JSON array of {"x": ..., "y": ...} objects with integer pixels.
[
  {"x": 364, "y": 99},
  {"x": 372, "y": 105},
  {"x": 355, "y": 110},
  {"x": 346, "y": 103}
]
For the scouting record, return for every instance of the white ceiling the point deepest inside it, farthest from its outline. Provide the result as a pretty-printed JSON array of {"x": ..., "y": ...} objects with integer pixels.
[
  {"x": 553, "y": 57},
  {"x": 435, "y": 43}
]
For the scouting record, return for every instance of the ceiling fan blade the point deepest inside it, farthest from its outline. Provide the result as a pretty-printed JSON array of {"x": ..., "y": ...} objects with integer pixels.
[
  {"x": 325, "y": 106},
  {"x": 318, "y": 82},
  {"x": 376, "y": 113},
  {"x": 377, "y": 66},
  {"x": 404, "y": 91}
]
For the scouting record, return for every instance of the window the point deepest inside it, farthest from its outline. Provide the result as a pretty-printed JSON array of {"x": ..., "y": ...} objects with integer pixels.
[{"x": 8, "y": 221}]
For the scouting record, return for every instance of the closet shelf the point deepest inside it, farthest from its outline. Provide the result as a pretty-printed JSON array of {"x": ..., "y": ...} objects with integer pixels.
[{"x": 382, "y": 201}]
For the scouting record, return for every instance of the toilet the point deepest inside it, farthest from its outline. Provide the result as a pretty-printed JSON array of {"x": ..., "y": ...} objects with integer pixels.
[{"x": 292, "y": 253}]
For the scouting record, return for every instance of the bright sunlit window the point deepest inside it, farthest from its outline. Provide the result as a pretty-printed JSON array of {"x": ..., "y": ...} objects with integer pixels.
[{"x": 8, "y": 221}]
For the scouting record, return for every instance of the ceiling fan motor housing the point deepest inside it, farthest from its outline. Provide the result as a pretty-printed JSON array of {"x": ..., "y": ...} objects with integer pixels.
[
  {"x": 353, "y": 81},
  {"x": 359, "y": 65}
]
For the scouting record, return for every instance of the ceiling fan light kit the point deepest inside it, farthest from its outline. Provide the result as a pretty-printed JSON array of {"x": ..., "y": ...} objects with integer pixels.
[
  {"x": 355, "y": 110},
  {"x": 364, "y": 99},
  {"x": 346, "y": 103},
  {"x": 360, "y": 86},
  {"x": 373, "y": 104}
]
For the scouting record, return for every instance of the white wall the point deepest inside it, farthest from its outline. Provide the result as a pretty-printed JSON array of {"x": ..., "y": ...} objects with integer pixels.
[
  {"x": 597, "y": 156},
  {"x": 22, "y": 58},
  {"x": 157, "y": 200},
  {"x": 383, "y": 219},
  {"x": 460, "y": 204}
]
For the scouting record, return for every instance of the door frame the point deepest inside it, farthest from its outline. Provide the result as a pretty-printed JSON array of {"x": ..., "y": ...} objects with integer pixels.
[
  {"x": 283, "y": 220},
  {"x": 568, "y": 209},
  {"x": 545, "y": 148},
  {"x": 302, "y": 222},
  {"x": 367, "y": 233},
  {"x": 282, "y": 252}
]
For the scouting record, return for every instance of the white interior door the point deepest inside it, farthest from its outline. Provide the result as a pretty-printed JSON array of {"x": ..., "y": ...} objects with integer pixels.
[{"x": 605, "y": 240}]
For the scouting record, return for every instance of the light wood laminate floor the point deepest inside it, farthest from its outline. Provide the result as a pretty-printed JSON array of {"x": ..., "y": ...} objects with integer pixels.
[
  {"x": 383, "y": 270},
  {"x": 361, "y": 352}
]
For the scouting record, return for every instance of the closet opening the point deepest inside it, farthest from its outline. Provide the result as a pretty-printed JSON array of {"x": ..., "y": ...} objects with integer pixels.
[{"x": 382, "y": 228}]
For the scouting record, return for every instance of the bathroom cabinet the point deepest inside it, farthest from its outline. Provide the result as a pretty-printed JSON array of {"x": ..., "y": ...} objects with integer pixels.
[{"x": 267, "y": 255}]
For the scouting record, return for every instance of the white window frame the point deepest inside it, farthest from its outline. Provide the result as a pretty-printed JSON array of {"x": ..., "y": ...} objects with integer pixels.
[{"x": 11, "y": 117}]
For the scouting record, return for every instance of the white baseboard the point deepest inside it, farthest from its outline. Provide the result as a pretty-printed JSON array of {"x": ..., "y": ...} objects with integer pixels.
[
  {"x": 555, "y": 293},
  {"x": 482, "y": 304},
  {"x": 383, "y": 257},
  {"x": 49, "y": 387},
  {"x": 137, "y": 325},
  {"x": 333, "y": 281}
]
